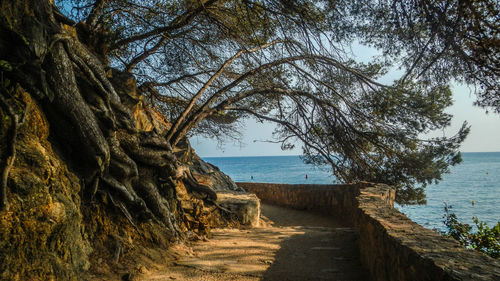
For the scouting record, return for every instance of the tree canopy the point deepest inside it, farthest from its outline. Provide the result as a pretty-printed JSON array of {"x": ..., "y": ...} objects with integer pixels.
[{"x": 209, "y": 63}]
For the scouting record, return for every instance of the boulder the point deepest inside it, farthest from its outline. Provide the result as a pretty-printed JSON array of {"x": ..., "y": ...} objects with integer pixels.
[{"x": 245, "y": 206}]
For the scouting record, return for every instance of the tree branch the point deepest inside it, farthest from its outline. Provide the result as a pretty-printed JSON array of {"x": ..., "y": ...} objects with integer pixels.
[
  {"x": 130, "y": 66},
  {"x": 94, "y": 13},
  {"x": 173, "y": 81},
  {"x": 207, "y": 84},
  {"x": 297, "y": 133},
  {"x": 176, "y": 23}
]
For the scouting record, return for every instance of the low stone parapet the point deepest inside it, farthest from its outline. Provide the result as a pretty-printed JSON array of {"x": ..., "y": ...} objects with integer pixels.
[
  {"x": 334, "y": 200},
  {"x": 392, "y": 246}
]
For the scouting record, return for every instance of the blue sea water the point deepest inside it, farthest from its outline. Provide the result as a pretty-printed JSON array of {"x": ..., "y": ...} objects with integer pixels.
[{"x": 476, "y": 179}]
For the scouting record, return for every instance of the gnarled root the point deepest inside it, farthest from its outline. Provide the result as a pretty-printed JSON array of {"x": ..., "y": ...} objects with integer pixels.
[
  {"x": 69, "y": 103},
  {"x": 184, "y": 173},
  {"x": 157, "y": 204},
  {"x": 96, "y": 134},
  {"x": 10, "y": 154}
]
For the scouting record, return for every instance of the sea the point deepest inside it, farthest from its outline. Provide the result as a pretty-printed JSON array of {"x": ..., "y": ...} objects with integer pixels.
[{"x": 472, "y": 188}]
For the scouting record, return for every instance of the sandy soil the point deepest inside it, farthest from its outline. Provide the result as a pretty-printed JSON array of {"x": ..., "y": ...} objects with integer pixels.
[{"x": 290, "y": 245}]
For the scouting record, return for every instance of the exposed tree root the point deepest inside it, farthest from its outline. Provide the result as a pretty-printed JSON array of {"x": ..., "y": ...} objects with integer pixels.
[
  {"x": 8, "y": 159},
  {"x": 97, "y": 133},
  {"x": 69, "y": 102},
  {"x": 10, "y": 155},
  {"x": 193, "y": 185}
]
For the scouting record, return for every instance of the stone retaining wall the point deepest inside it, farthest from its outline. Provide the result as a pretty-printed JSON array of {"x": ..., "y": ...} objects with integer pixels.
[{"x": 392, "y": 246}]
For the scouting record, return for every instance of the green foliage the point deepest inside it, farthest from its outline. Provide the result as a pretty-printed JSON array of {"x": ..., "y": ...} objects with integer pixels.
[
  {"x": 485, "y": 239},
  {"x": 5, "y": 65},
  {"x": 438, "y": 40}
]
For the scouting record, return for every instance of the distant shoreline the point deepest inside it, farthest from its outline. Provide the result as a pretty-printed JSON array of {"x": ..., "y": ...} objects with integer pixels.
[{"x": 255, "y": 156}]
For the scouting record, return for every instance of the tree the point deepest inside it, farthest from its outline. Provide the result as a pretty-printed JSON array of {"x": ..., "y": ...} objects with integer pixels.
[
  {"x": 95, "y": 133},
  {"x": 209, "y": 63}
]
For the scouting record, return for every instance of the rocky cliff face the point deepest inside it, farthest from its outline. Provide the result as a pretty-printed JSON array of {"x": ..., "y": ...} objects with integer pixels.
[
  {"x": 42, "y": 235},
  {"x": 206, "y": 173},
  {"x": 53, "y": 232}
]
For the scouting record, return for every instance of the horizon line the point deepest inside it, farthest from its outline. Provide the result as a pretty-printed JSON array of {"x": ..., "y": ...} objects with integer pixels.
[{"x": 230, "y": 156}]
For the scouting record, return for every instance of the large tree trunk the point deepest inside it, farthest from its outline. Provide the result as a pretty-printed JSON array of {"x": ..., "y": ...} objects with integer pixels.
[{"x": 91, "y": 127}]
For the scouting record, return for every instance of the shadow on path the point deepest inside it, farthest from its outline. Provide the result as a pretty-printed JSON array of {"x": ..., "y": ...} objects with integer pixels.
[
  {"x": 325, "y": 251},
  {"x": 291, "y": 245}
]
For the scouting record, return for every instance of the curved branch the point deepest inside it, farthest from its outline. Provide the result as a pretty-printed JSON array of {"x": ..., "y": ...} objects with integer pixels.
[
  {"x": 196, "y": 118},
  {"x": 94, "y": 13},
  {"x": 296, "y": 132},
  {"x": 178, "y": 132},
  {"x": 130, "y": 66},
  {"x": 176, "y": 23},
  {"x": 173, "y": 81},
  {"x": 207, "y": 84}
]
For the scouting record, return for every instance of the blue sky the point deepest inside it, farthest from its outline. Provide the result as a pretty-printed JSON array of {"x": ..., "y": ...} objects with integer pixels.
[{"x": 484, "y": 135}]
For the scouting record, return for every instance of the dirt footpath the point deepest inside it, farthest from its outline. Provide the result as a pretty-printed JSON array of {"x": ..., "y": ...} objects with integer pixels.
[{"x": 291, "y": 245}]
